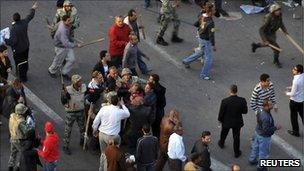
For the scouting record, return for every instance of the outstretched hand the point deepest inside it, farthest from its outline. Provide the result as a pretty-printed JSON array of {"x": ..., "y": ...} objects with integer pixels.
[{"x": 35, "y": 6}]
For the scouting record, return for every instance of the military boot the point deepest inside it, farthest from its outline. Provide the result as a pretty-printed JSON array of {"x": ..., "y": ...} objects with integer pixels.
[
  {"x": 161, "y": 41},
  {"x": 176, "y": 39},
  {"x": 276, "y": 61},
  {"x": 254, "y": 46}
]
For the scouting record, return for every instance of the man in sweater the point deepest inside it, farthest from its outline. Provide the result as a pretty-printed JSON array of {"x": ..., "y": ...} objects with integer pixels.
[
  {"x": 262, "y": 91},
  {"x": 50, "y": 151},
  {"x": 201, "y": 147},
  {"x": 119, "y": 37},
  {"x": 296, "y": 94},
  {"x": 230, "y": 116},
  {"x": 19, "y": 42},
  {"x": 265, "y": 128},
  {"x": 64, "y": 45},
  {"x": 146, "y": 150}
]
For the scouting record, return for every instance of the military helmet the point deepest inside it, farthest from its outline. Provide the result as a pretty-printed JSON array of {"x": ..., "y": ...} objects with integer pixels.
[
  {"x": 274, "y": 7},
  {"x": 67, "y": 3},
  {"x": 20, "y": 109},
  {"x": 75, "y": 78}
]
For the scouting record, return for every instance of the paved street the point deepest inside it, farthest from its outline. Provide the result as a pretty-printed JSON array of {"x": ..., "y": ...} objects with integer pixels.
[{"x": 197, "y": 100}]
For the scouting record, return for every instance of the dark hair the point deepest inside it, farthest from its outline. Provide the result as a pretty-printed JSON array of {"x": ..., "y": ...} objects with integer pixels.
[
  {"x": 16, "y": 17},
  {"x": 130, "y": 13},
  {"x": 266, "y": 102},
  {"x": 299, "y": 68},
  {"x": 151, "y": 85},
  {"x": 3, "y": 48},
  {"x": 114, "y": 100},
  {"x": 102, "y": 54},
  {"x": 233, "y": 89},
  {"x": 264, "y": 77},
  {"x": 146, "y": 128},
  {"x": 206, "y": 133},
  {"x": 195, "y": 156},
  {"x": 65, "y": 17},
  {"x": 155, "y": 77}
]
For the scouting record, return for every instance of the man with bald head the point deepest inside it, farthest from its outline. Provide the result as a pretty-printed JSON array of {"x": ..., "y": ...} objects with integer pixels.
[{"x": 119, "y": 37}]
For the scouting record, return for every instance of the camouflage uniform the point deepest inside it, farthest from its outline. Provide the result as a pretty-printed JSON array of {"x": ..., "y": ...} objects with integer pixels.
[
  {"x": 72, "y": 14},
  {"x": 168, "y": 13},
  {"x": 75, "y": 112}
]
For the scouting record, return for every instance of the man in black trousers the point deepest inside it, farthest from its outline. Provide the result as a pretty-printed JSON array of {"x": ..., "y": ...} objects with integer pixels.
[
  {"x": 230, "y": 116},
  {"x": 19, "y": 42}
]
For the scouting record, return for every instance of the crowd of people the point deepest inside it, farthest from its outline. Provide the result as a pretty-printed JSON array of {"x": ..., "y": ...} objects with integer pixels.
[{"x": 121, "y": 112}]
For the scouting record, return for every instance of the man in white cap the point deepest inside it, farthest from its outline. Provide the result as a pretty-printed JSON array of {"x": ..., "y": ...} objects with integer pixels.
[
  {"x": 18, "y": 129},
  {"x": 272, "y": 22},
  {"x": 74, "y": 107}
]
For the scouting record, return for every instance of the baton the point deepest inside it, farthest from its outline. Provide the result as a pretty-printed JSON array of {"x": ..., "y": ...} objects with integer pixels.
[{"x": 92, "y": 42}]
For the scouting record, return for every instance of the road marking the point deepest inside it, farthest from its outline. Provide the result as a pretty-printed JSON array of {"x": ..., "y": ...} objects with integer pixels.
[
  {"x": 41, "y": 105},
  {"x": 288, "y": 148}
]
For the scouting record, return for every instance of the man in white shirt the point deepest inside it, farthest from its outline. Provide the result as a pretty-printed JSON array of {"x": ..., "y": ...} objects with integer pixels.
[
  {"x": 107, "y": 123},
  {"x": 176, "y": 149},
  {"x": 296, "y": 94}
]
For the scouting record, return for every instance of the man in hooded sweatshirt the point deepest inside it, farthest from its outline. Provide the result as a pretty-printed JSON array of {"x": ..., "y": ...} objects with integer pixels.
[{"x": 50, "y": 152}]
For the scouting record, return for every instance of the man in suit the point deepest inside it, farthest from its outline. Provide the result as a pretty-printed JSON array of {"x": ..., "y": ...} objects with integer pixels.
[{"x": 230, "y": 116}]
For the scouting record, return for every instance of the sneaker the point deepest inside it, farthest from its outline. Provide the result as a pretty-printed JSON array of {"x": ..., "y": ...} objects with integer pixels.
[
  {"x": 293, "y": 133},
  {"x": 186, "y": 65},
  {"x": 52, "y": 75},
  {"x": 206, "y": 78},
  {"x": 66, "y": 150},
  {"x": 237, "y": 155}
]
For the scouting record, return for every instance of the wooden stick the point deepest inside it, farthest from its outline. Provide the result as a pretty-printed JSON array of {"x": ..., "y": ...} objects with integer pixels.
[
  {"x": 274, "y": 47},
  {"x": 92, "y": 42},
  {"x": 142, "y": 29},
  {"x": 294, "y": 42}
]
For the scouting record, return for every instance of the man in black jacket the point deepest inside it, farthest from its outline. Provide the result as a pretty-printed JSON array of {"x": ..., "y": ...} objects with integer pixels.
[
  {"x": 160, "y": 92},
  {"x": 19, "y": 42},
  {"x": 201, "y": 147},
  {"x": 146, "y": 150},
  {"x": 230, "y": 116}
]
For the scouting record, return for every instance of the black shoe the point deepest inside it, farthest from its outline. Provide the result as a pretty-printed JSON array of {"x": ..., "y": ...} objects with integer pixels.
[
  {"x": 176, "y": 39},
  {"x": 161, "y": 41},
  {"x": 10, "y": 168},
  {"x": 237, "y": 155},
  {"x": 17, "y": 169},
  {"x": 52, "y": 75},
  {"x": 277, "y": 64},
  {"x": 217, "y": 14},
  {"x": 253, "y": 47},
  {"x": 296, "y": 134},
  {"x": 81, "y": 142},
  {"x": 220, "y": 145},
  {"x": 66, "y": 76},
  {"x": 223, "y": 12},
  {"x": 67, "y": 150},
  {"x": 186, "y": 65}
]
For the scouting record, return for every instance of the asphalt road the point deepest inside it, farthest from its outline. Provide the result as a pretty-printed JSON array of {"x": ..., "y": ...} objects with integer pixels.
[{"x": 197, "y": 100}]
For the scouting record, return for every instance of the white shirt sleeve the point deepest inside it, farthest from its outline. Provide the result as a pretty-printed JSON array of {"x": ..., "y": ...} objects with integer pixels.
[
  {"x": 124, "y": 112},
  {"x": 97, "y": 120},
  {"x": 293, "y": 88}
]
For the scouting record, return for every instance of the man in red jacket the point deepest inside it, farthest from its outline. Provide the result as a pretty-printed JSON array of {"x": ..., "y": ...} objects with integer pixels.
[
  {"x": 119, "y": 37},
  {"x": 50, "y": 152}
]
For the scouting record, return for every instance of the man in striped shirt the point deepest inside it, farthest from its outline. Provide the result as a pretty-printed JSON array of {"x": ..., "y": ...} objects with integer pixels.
[{"x": 262, "y": 91}]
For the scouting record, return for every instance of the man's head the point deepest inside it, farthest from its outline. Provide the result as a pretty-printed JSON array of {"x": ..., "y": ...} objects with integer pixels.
[
  {"x": 275, "y": 9},
  {"x": 137, "y": 100},
  {"x": 174, "y": 116},
  {"x": 146, "y": 129},
  {"x": 265, "y": 80},
  {"x": 20, "y": 109},
  {"x": 114, "y": 100},
  {"x": 133, "y": 39},
  {"x": 67, "y": 5},
  {"x": 233, "y": 89},
  {"x": 49, "y": 128},
  {"x": 206, "y": 137},
  {"x": 3, "y": 51},
  {"x": 235, "y": 167},
  {"x": 97, "y": 76},
  {"x": 154, "y": 78},
  {"x": 67, "y": 20},
  {"x": 76, "y": 80},
  {"x": 132, "y": 15},
  {"x": 149, "y": 87},
  {"x": 119, "y": 21},
  {"x": 113, "y": 72},
  {"x": 298, "y": 69},
  {"x": 267, "y": 105},
  {"x": 16, "y": 17},
  {"x": 104, "y": 56},
  {"x": 196, "y": 158},
  {"x": 126, "y": 74},
  {"x": 178, "y": 129}
]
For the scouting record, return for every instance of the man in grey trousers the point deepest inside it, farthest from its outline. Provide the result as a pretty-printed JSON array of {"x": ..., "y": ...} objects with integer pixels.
[{"x": 64, "y": 45}]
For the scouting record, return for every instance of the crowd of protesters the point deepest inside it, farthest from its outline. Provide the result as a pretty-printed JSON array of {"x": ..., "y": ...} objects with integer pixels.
[{"x": 121, "y": 112}]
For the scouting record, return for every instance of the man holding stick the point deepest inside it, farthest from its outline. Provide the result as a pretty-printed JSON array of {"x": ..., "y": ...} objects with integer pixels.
[
  {"x": 272, "y": 22},
  {"x": 63, "y": 48}
]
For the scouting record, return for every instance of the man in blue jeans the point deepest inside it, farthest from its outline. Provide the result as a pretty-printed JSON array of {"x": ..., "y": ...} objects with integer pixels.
[
  {"x": 265, "y": 128},
  {"x": 206, "y": 39}
]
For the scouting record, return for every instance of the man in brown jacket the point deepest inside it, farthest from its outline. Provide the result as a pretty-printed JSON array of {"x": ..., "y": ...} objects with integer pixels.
[{"x": 166, "y": 129}]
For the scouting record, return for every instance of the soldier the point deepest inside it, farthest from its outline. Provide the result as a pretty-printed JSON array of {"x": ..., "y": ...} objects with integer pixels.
[
  {"x": 69, "y": 10},
  {"x": 18, "y": 130},
  {"x": 74, "y": 106},
  {"x": 272, "y": 22},
  {"x": 168, "y": 13}
]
